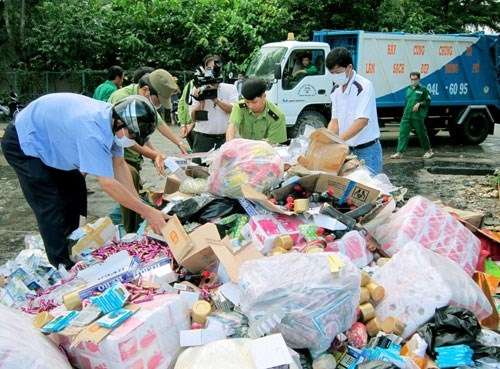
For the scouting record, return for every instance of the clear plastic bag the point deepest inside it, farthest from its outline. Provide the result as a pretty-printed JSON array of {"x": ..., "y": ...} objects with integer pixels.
[
  {"x": 318, "y": 304},
  {"x": 417, "y": 281},
  {"x": 244, "y": 161}
]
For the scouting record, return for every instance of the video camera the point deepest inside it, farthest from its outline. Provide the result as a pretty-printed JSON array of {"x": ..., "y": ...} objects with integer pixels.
[{"x": 204, "y": 79}]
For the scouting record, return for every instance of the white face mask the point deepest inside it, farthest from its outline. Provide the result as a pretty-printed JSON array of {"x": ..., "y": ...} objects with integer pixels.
[
  {"x": 414, "y": 83},
  {"x": 124, "y": 141},
  {"x": 340, "y": 78}
]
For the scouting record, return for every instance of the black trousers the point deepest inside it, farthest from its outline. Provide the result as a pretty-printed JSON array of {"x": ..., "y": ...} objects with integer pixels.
[
  {"x": 57, "y": 197},
  {"x": 204, "y": 143}
]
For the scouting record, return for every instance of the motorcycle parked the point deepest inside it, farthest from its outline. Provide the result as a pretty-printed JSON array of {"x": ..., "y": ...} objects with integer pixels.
[
  {"x": 14, "y": 105},
  {"x": 12, "y": 108}
]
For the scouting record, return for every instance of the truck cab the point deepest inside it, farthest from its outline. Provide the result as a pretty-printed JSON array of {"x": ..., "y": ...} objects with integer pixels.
[{"x": 304, "y": 99}]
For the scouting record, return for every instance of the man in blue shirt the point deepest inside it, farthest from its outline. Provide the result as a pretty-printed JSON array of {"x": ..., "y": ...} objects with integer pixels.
[{"x": 60, "y": 135}]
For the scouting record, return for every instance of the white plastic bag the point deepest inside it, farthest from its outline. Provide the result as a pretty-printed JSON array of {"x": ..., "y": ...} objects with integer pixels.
[
  {"x": 24, "y": 346},
  {"x": 317, "y": 302},
  {"x": 417, "y": 281},
  {"x": 229, "y": 353}
]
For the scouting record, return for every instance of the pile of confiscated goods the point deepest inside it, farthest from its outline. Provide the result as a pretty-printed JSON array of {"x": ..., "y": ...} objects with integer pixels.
[{"x": 264, "y": 265}]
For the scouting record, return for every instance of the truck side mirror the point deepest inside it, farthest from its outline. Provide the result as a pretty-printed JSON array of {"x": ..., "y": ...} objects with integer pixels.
[{"x": 277, "y": 71}]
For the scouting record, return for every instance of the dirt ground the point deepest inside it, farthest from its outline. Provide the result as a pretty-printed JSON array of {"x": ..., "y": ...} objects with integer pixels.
[{"x": 459, "y": 176}]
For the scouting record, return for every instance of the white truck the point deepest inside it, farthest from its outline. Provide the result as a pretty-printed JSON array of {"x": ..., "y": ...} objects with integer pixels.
[{"x": 461, "y": 71}]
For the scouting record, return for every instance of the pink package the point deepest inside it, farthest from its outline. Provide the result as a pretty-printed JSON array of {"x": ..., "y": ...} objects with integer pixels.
[
  {"x": 147, "y": 340},
  {"x": 265, "y": 228},
  {"x": 422, "y": 221},
  {"x": 353, "y": 245}
]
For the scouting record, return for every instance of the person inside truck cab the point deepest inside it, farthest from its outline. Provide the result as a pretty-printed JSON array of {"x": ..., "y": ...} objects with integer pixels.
[{"x": 307, "y": 68}]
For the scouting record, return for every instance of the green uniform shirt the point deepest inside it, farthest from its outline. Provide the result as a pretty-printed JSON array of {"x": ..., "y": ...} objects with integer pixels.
[
  {"x": 104, "y": 91},
  {"x": 310, "y": 70},
  {"x": 130, "y": 155},
  {"x": 269, "y": 125},
  {"x": 419, "y": 94}
]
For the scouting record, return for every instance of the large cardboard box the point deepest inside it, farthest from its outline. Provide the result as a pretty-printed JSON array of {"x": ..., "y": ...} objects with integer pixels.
[
  {"x": 343, "y": 188},
  {"x": 326, "y": 152},
  {"x": 191, "y": 251}
]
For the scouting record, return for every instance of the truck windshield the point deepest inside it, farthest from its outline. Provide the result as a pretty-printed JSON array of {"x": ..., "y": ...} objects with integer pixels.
[{"x": 264, "y": 62}]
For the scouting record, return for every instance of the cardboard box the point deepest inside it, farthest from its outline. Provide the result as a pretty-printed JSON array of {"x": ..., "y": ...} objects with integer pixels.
[
  {"x": 173, "y": 182},
  {"x": 97, "y": 234},
  {"x": 191, "y": 251},
  {"x": 343, "y": 188},
  {"x": 471, "y": 217},
  {"x": 326, "y": 152},
  {"x": 232, "y": 261}
]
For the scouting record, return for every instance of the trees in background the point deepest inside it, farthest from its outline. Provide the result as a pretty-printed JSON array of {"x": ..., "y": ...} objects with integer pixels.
[{"x": 64, "y": 35}]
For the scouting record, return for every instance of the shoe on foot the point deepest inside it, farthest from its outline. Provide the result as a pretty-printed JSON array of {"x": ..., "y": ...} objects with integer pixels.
[
  {"x": 429, "y": 154},
  {"x": 397, "y": 155}
]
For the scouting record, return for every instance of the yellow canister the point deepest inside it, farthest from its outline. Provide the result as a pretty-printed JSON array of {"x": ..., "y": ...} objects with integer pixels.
[
  {"x": 373, "y": 327},
  {"x": 365, "y": 278},
  {"x": 301, "y": 205},
  {"x": 200, "y": 311},
  {"x": 366, "y": 312},
  {"x": 392, "y": 325},
  {"x": 284, "y": 241},
  {"x": 377, "y": 292},
  {"x": 364, "y": 295},
  {"x": 42, "y": 318}
]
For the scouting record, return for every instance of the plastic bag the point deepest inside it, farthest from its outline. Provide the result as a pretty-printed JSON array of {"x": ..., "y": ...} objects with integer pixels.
[
  {"x": 318, "y": 304},
  {"x": 417, "y": 281},
  {"x": 24, "y": 346},
  {"x": 229, "y": 353},
  {"x": 244, "y": 161}
]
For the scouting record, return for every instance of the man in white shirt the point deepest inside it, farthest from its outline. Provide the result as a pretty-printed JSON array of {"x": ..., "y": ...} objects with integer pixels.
[
  {"x": 211, "y": 115},
  {"x": 354, "y": 110}
]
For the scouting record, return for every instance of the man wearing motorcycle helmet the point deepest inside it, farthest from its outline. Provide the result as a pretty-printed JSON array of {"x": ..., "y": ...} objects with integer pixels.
[{"x": 60, "y": 135}]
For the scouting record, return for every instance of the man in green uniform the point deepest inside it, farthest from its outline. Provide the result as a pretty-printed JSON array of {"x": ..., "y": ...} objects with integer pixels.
[
  {"x": 158, "y": 86},
  {"x": 113, "y": 82},
  {"x": 306, "y": 69},
  {"x": 255, "y": 117},
  {"x": 416, "y": 107}
]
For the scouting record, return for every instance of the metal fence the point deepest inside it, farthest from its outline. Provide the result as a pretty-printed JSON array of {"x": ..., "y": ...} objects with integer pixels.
[{"x": 31, "y": 85}]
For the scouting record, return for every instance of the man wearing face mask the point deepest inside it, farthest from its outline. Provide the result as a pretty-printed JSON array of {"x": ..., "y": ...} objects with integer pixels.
[
  {"x": 158, "y": 86},
  {"x": 354, "y": 110},
  {"x": 59, "y": 135},
  {"x": 417, "y": 104}
]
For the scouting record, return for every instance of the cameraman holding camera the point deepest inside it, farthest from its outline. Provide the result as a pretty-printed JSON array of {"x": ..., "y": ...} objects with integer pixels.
[{"x": 212, "y": 106}]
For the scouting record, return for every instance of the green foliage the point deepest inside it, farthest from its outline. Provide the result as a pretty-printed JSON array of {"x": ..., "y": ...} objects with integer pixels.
[{"x": 176, "y": 34}]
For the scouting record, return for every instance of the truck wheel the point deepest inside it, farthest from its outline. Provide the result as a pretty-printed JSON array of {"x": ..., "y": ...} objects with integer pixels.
[
  {"x": 474, "y": 129},
  {"x": 308, "y": 117}
]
